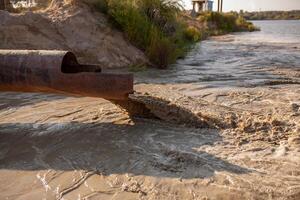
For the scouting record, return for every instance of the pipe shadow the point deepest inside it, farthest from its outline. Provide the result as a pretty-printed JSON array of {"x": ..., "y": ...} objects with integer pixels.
[{"x": 148, "y": 147}]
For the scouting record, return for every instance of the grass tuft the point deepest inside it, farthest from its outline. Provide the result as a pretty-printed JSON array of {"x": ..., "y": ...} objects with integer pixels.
[
  {"x": 193, "y": 34},
  {"x": 159, "y": 28},
  {"x": 151, "y": 25}
]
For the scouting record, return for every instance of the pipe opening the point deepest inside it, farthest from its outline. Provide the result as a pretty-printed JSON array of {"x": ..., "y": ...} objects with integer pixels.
[{"x": 71, "y": 66}]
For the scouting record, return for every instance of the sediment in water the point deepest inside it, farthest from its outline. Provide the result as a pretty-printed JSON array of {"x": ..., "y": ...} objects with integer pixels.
[
  {"x": 62, "y": 147},
  {"x": 200, "y": 113}
]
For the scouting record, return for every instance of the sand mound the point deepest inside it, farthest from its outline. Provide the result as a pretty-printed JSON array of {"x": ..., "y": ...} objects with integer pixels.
[{"x": 69, "y": 25}]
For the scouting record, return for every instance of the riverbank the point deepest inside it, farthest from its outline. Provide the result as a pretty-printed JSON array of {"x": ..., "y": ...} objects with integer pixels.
[
  {"x": 215, "y": 135},
  {"x": 69, "y": 25},
  {"x": 225, "y": 124},
  {"x": 163, "y": 29},
  {"x": 114, "y": 34}
]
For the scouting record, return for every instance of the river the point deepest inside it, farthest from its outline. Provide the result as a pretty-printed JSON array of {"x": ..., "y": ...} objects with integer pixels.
[
  {"x": 236, "y": 60},
  {"x": 227, "y": 126}
]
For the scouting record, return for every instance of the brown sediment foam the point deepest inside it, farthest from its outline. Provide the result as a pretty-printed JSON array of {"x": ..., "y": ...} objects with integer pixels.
[
  {"x": 62, "y": 147},
  {"x": 199, "y": 113},
  {"x": 146, "y": 106},
  {"x": 186, "y": 111}
]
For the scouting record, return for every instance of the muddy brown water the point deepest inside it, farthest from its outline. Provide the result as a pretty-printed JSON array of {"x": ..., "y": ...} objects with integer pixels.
[{"x": 216, "y": 139}]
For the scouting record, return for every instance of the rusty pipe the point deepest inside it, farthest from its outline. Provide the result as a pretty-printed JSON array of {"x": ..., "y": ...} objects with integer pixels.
[{"x": 59, "y": 72}]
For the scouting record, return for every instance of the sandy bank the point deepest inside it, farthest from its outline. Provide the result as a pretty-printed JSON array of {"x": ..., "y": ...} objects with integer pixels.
[
  {"x": 204, "y": 143},
  {"x": 69, "y": 25}
]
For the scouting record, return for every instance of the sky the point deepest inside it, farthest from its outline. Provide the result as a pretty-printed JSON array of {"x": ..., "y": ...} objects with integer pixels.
[{"x": 254, "y": 5}]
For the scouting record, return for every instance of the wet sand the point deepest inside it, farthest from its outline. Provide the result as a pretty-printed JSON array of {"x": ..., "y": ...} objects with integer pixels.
[{"x": 246, "y": 145}]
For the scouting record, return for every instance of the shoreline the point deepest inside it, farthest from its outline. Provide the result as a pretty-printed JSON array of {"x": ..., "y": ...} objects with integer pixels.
[
  {"x": 248, "y": 139},
  {"x": 188, "y": 137}
]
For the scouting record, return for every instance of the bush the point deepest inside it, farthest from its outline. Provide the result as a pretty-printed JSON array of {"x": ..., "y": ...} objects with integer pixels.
[
  {"x": 244, "y": 25},
  {"x": 226, "y": 22},
  {"x": 161, "y": 50},
  {"x": 192, "y": 34},
  {"x": 157, "y": 26},
  {"x": 151, "y": 25},
  {"x": 136, "y": 26},
  {"x": 252, "y": 28}
]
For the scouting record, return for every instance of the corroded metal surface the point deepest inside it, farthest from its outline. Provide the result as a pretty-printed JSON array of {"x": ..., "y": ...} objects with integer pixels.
[{"x": 59, "y": 72}]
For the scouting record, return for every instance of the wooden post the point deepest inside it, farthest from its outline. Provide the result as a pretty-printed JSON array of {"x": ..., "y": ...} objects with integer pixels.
[
  {"x": 2, "y": 5},
  {"x": 194, "y": 6},
  {"x": 221, "y": 7},
  {"x": 5, "y": 4}
]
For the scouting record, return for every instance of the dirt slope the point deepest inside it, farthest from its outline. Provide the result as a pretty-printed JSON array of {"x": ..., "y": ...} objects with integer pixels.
[{"x": 69, "y": 25}]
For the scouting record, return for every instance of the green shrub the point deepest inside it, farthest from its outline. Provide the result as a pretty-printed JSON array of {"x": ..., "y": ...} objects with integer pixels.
[
  {"x": 192, "y": 34},
  {"x": 244, "y": 25},
  {"x": 161, "y": 50},
  {"x": 226, "y": 22},
  {"x": 151, "y": 25},
  {"x": 155, "y": 26},
  {"x": 135, "y": 24},
  {"x": 240, "y": 21}
]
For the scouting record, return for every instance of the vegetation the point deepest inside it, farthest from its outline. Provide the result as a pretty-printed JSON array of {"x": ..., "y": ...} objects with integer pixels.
[
  {"x": 221, "y": 23},
  {"x": 159, "y": 28},
  {"x": 151, "y": 25},
  {"x": 272, "y": 15},
  {"x": 193, "y": 34}
]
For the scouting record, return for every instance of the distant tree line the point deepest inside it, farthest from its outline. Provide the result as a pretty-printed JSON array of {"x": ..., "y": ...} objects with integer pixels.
[{"x": 271, "y": 15}]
